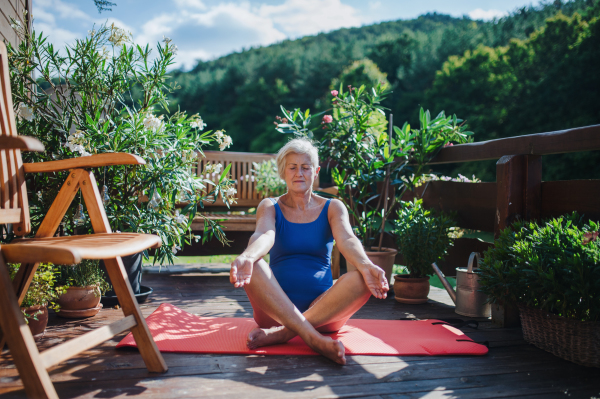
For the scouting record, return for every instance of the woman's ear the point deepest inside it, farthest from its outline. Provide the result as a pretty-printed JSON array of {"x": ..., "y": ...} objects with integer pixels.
[{"x": 317, "y": 170}]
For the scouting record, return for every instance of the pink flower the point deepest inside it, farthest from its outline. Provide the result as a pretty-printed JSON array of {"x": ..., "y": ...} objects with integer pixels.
[
  {"x": 334, "y": 93},
  {"x": 448, "y": 145},
  {"x": 590, "y": 236},
  {"x": 327, "y": 119}
]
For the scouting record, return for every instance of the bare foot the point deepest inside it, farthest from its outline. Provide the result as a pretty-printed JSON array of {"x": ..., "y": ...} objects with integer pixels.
[
  {"x": 332, "y": 349},
  {"x": 267, "y": 336}
]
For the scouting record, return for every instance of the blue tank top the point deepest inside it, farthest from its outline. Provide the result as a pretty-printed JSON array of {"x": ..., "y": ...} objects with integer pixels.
[{"x": 301, "y": 257}]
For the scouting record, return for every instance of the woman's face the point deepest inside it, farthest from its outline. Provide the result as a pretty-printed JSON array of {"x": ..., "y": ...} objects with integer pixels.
[{"x": 300, "y": 173}]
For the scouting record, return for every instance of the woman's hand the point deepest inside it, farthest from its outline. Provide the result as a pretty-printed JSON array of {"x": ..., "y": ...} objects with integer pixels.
[
  {"x": 375, "y": 279},
  {"x": 241, "y": 271}
]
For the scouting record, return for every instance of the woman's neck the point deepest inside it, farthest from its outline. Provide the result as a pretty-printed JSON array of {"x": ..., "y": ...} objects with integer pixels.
[{"x": 301, "y": 201}]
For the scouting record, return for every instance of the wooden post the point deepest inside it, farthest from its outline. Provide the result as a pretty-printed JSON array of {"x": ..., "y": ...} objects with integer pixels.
[{"x": 519, "y": 197}]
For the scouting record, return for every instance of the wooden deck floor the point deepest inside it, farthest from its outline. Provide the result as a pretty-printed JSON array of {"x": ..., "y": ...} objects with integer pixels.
[{"x": 511, "y": 369}]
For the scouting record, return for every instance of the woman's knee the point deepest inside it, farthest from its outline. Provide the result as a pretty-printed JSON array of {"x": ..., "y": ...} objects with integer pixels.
[{"x": 356, "y": 280}]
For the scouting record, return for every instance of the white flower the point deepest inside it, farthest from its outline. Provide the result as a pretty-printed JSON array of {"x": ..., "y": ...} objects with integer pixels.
[
  {"x": 84, "y": 153},
  {"x": 175, "y": 249},
  {"x": 226, "y": 142},
  {"x": 39, "y": 195},
  {"x": 201, "y": 124},
  {"x": 217, "y": 168},
  {"x": 194, "y": 125},
  {"x": 16, "y": 24},
  {"x": 118, "y": 36},
  {"x": 151, "y": 122},
  {"x": 179, "y": 218},
  {"x": 231, "y": 192},
  {"x": 219, "y": 134},
  {"x": 24, "y": 112}
]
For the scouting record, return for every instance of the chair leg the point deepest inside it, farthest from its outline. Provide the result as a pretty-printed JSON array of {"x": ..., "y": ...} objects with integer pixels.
[
  {"x": 21, "y": 343},
  {"x": 141, "y": 333},
  {"x": 20, "y": 286}
]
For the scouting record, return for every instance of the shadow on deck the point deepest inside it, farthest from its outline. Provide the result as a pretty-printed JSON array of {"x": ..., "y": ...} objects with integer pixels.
[{"x": 512, "y": 368}]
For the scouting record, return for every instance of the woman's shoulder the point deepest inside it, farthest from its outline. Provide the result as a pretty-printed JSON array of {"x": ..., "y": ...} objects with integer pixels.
[{"x": 336, "y": 207}]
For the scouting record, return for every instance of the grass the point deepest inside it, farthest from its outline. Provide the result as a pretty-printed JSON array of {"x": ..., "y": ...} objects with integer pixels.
[
  {"x": 208, "y": 259},
  {"x": 434, "y": 280},
  {"x": 482, "y": 235}
]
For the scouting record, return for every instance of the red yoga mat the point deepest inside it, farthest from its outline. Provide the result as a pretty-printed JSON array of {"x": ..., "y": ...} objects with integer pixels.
[{"x": 175, "y": 330}]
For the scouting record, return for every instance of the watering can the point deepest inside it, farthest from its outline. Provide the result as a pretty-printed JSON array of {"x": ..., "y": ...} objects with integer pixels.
[{"x": 468, "y": 299}]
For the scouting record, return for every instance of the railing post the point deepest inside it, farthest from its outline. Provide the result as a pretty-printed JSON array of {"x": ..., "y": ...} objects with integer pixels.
[{"x": 519, "y": 193}]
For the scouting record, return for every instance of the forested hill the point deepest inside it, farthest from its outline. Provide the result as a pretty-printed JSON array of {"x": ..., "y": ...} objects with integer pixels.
[{"x": 435, "y": 61}]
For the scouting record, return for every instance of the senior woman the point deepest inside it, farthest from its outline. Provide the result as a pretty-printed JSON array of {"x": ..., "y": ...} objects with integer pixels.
[{"x": 295, "y": 295}]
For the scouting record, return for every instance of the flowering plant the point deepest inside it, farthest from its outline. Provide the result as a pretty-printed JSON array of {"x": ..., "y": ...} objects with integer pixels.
[
  {"x": 101, "y": 95},
  {"x": 356, "y": 141}
]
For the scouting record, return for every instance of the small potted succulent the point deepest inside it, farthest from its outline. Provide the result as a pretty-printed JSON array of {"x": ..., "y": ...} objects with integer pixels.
[
  {"x": 423, "y": 238},
  {"x": 85, "y": 284},
  {"x": 551, "y": 271},
  {"x": 41, "y": 295}
]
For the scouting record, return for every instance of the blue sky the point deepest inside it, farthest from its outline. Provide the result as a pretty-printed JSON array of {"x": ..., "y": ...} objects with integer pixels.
[{"x": 207, "y": 29}]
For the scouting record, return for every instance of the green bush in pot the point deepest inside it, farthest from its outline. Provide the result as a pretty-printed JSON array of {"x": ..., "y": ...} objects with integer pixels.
[
  {"x": 43, "y": 290},
  {"x": 552, "y": 266},
  {"x": 551, "y": 271},
  {"x": 85, "y": 274},
  {"x": 422, "y": 236}
]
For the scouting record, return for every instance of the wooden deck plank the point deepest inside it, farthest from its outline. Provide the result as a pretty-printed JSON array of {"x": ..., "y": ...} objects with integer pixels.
[{"x": 511, "y": 369}]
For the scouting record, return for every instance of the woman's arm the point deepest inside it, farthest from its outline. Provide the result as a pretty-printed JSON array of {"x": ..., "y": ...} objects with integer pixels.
[
  {"x": 260, "y": 244},
  {"x": 353, "y": 251}
]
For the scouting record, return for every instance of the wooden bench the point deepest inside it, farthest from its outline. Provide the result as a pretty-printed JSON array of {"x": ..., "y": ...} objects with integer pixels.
[{"x": 247, "y": 196}]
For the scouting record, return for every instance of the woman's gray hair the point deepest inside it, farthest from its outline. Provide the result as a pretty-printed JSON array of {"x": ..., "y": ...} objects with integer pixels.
[{"x": 297, "y": 146}]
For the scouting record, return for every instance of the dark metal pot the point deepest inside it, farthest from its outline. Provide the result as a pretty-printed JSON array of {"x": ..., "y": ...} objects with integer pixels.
[{"x": 133, "y": 267}]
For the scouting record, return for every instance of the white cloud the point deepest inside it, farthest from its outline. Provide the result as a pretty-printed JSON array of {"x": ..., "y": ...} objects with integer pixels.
[
  {"x": 481, "y": 14},
  {"x": 215, "y": 32},
  {"x": 204, "y": 31},
  {"x": 308, "y": 17},
  {"x": 193, "y": 4}
]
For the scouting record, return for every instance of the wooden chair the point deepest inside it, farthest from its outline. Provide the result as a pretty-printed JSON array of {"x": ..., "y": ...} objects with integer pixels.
[{"x": 105, "y": 245}]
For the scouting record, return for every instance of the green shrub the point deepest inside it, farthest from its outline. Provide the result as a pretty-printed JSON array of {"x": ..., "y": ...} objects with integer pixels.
[
  {"x": 553, "y": 266},
  {"x": 43, "y": 288},
  {"x": 84, "y": 274},
  {"x": 422, "y": 237}
]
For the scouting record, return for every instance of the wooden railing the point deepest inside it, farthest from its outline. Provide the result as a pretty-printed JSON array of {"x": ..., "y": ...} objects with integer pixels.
[{"x": 519, "y": 191}]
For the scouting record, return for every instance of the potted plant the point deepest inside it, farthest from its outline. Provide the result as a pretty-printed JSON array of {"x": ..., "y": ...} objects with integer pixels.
[
  {"x": 551, "y": 271},
  {"x": 105, "y": 94},
  {"x": 41, "y": 295},
  {"x": 85, "y": 283},
  {"x": 370, "y": 159},
  {"x": 423, "y": 238}
]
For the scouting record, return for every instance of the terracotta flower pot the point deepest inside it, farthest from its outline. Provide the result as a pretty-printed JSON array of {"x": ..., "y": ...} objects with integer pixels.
[
  {"x": 411, "y": 290},
  {"x": 79, "y": 302},
  {"x": 383, "y": 259},
  {"x": 38, "y": 326}
]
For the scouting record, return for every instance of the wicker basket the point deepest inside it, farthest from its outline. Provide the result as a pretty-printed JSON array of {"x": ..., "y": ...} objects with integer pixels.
[{"x": 572, "y": 340}]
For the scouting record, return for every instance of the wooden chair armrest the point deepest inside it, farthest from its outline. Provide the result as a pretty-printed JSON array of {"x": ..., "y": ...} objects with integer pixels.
[
  {"x": 92, "y": 161},
  {"x": 23, "y": 143}
]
